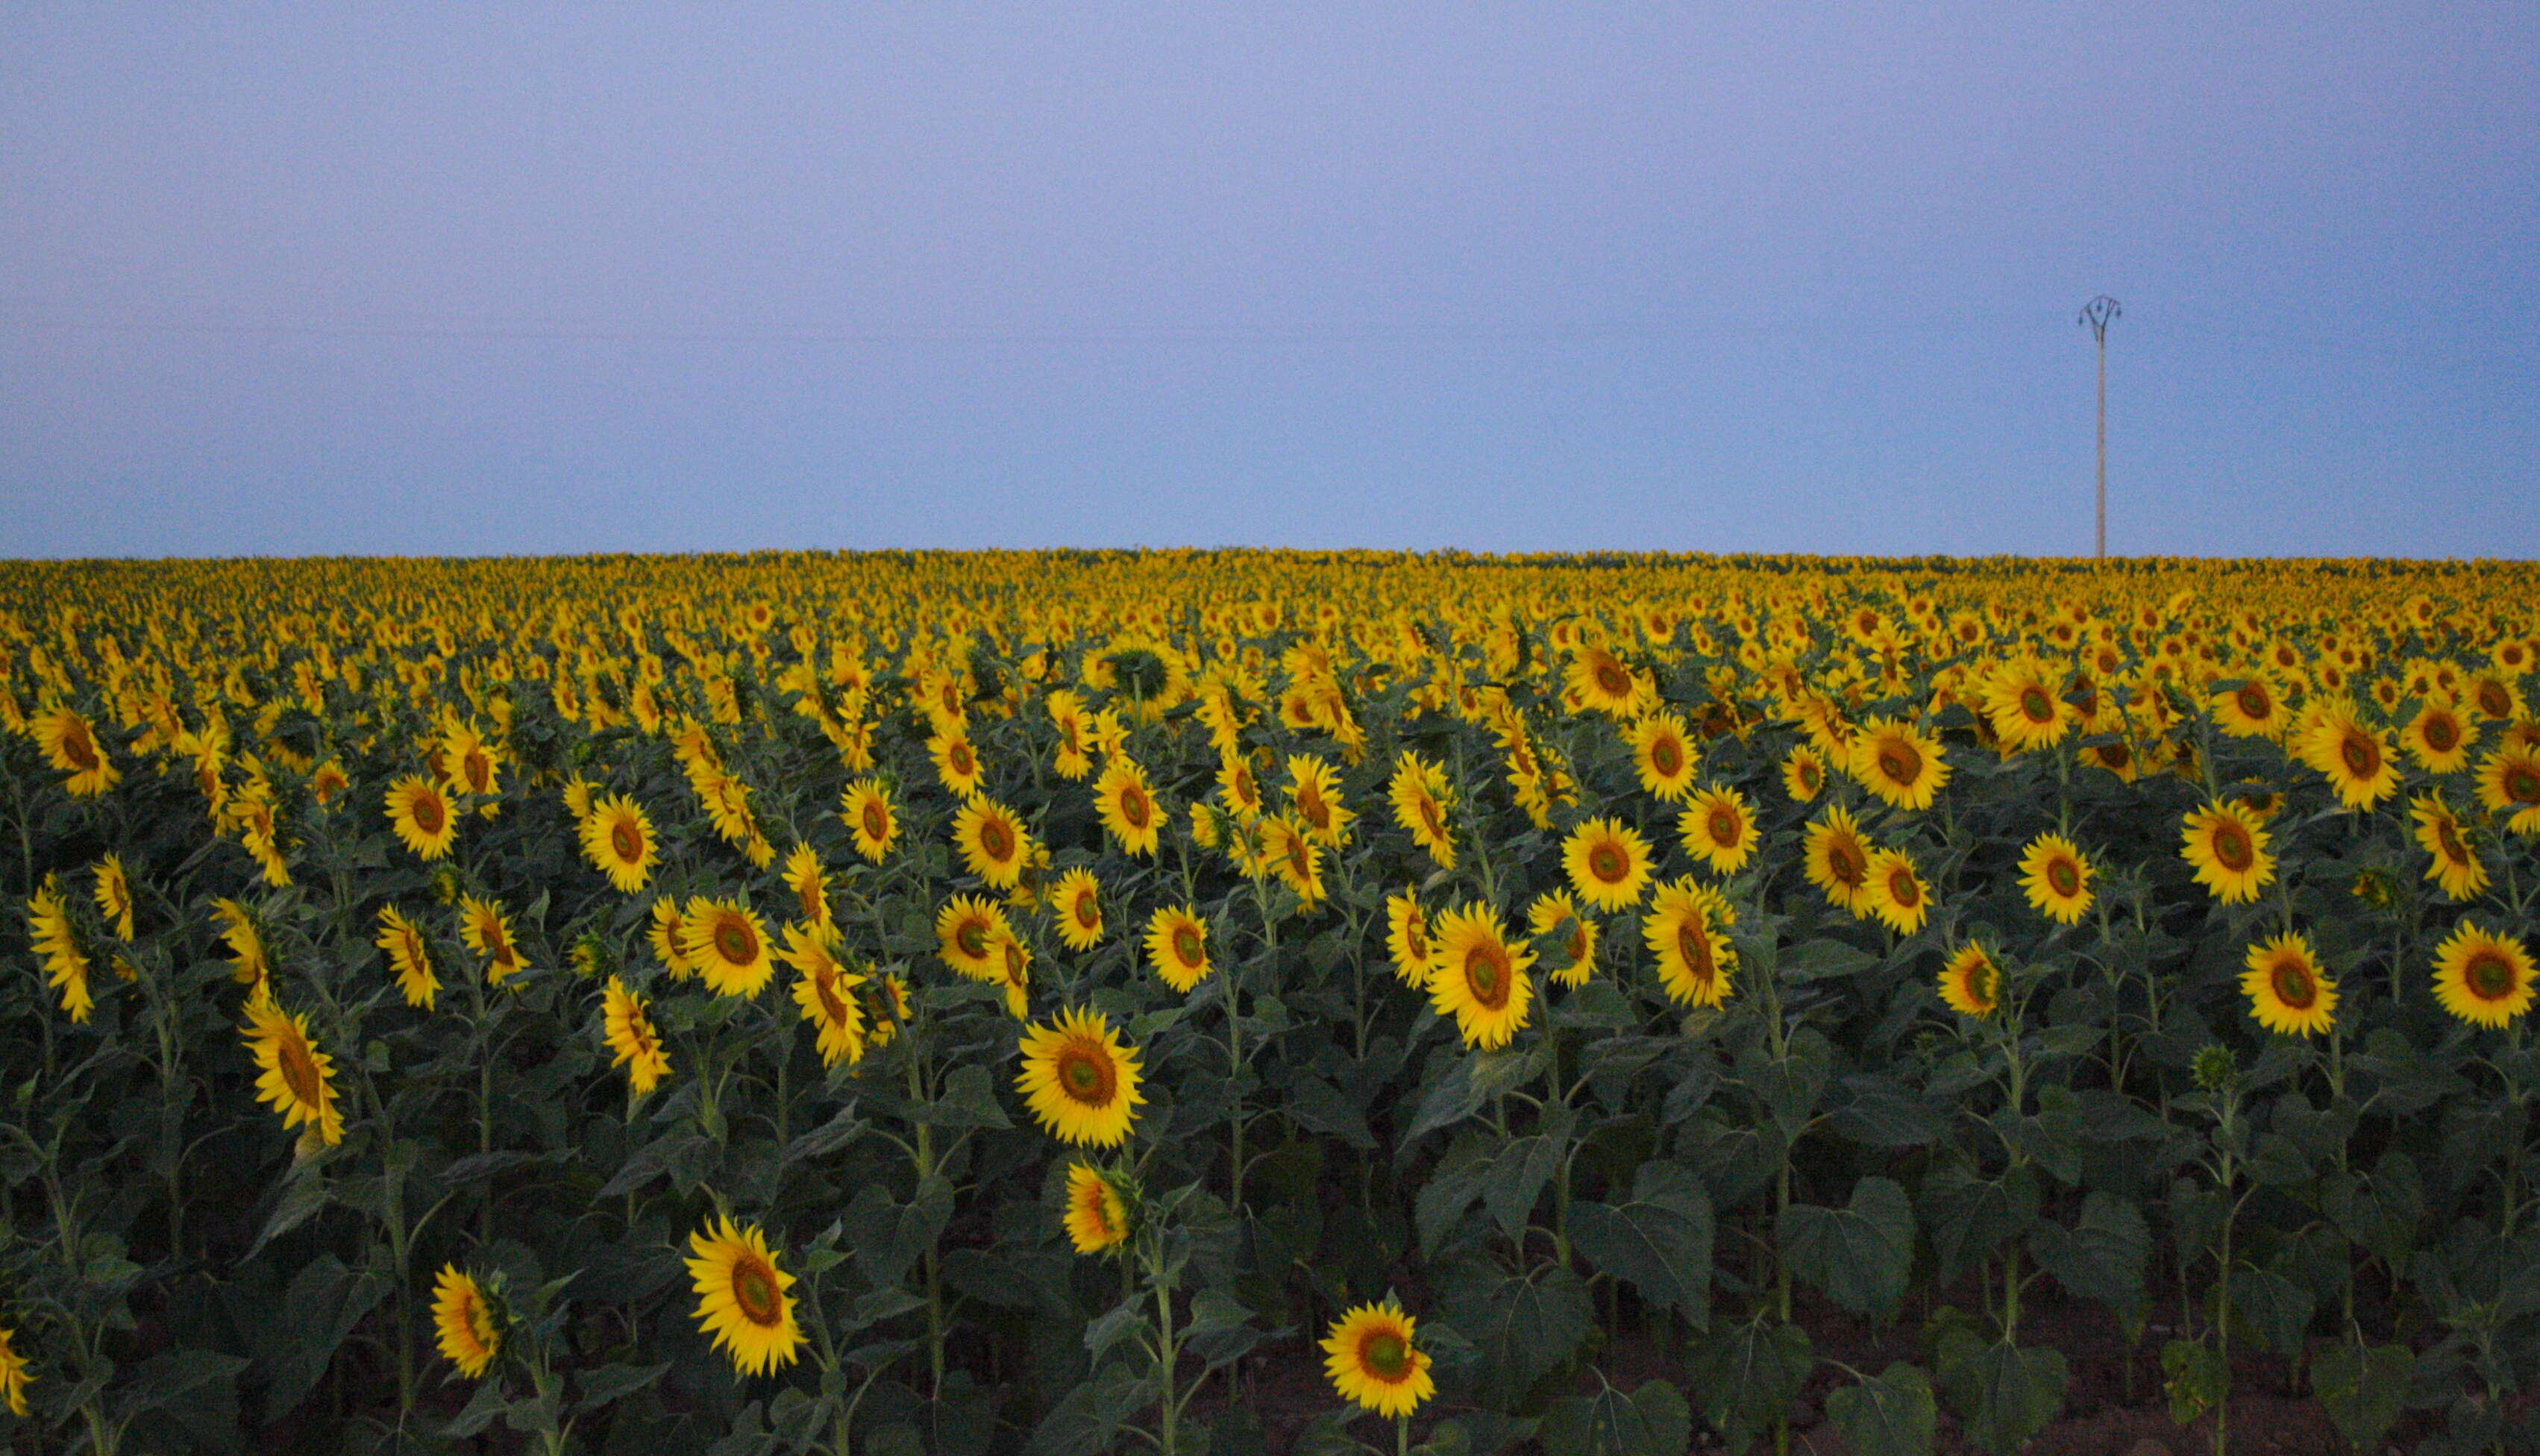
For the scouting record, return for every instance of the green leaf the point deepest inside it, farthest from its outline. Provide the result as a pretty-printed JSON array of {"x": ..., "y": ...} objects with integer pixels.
[
  {"x": 825, "y": 1139},
  {"x": 1859, "y": 1255},
  {"x": 1221, "y": 1328},
  {"x": 970, "y": 1100},
  {"x": 1885, "y": 1113},
  {"x": 1450, "y": 1100},
  {"x": 610, "y": 1383},
  {"x": 1749, "y": 1374},
  {"x": 1650, "y": 1422},
  {"x": 482, "y": 1410},
  {"x": 1318, "y": 1107},
  {"x": 2275, "y": 1306},
  {"x": 1891, "y": 1415},
  {"x": 170, "y": 1379},
  {"x": 2195, "y": 1377},
  {"x": 1523, "y": 1326},
  {"x": 1967, "y": 1217},
  {"x": 1452, "y": 1188},
  {"x": 1823, "y": 960},
  {"x": 1518, "y": 1176},
  {"x": 324, "y": 1303},
  {"x": 2362, "y": 1390},
  {"x": 1119, "y": 1324},
  {"x": 1660, "y": 1245},
  {"x": 2004, "y": 1393},
  {"x": 2102, "y": 1258},
  {"x": 890, "y": 1236}
]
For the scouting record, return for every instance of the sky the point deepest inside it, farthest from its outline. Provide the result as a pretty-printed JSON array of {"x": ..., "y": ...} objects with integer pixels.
[{"x": 526, "y": 279}]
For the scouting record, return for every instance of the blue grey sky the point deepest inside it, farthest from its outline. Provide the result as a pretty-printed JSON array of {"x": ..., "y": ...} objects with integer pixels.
[{"x": 524, "y": 278}]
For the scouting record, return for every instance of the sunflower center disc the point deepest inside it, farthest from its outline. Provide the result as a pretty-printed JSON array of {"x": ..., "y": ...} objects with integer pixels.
[
  {"x": 1695, "y": 947},
  {"x": 2361, "y": 760},
  {"x": 733, "y": 941},
  {"x": 2034, "y": 703},
  {"x": 623, "y": 838},
  {"x": 1386, "y": 1357},
  {"x": 2293, "y": 986},
  {"x": 2439, "y": 736},
  {"x": 1899, "y": 763},
  {"x": 875, "y": 826},
  {"x": 427, "y": 815},
  {"x": 1482, "y": 972},
  {"x": 2232, "y": 849},
  {"x": 753, "y": 1289},
  {"x": 1664, "y": 758},
  {"x": 1084, "y": 1081},
  {"x": 1902, "y": 889},
  {"x": 992, "y": 838},
  {"x": 972, "y": 938},
  {"x": 2253, "y": 703},
  {"x": 2522, "y": 785},
  {"x": 2488, "y": 977},
  {"x": 301, "y": 1075},
  {"x": 2063, "y": 878},
  {"x": 1186, "y": 944},
  {"x": 1607, "y": 863},
  {"x": 1724, "y": 829}
]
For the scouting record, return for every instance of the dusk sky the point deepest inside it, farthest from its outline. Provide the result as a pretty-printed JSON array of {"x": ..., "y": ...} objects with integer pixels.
[{"x": 366, "y": 279}]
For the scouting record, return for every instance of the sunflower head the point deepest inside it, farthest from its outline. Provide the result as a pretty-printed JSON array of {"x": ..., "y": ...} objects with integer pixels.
[
  {"x": 2289, "y": 992},
  {"x": 1971, "y": 983},
  {"x": 2482, "y": 977},
  {"x": 1375, "y": 1361},
  {"x": 467, "y": 1320},
  {"x": 1478, "y": 978},
  {"x": 1608, "y": 864},
  {"x": 1079, "y": 1082},
  {"x": 742, "y": 1297},
  {"x": 1177, "y": 946},
  {"x": 2056, "y": 876},
  {"x": 1098, "y": 1212}
]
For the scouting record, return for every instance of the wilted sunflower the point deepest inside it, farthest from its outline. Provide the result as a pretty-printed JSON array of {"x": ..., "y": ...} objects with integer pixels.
[
  {"x": 1097, "y": 1217},
  {"x": 617, "y": 840},
  {"x": 967, "y": 932},
  {"x": 1897, "y": 762},
  {"x": 992, "y": 842},
  {"x": 1314, "y": 797},
  {"x": 1971, "y": 984},
  {"x": 113, "y": 894},
  {"x": 2025, "y": 710},
  {"x": 462, "y": 1322},
  {"x": 2228, "y": 851},
  {"x": 408, "y": 957},
  {"x": 728, "y": 946},
  {"x": 867, "y": 808},
  {"x": 1478, "y": 978},
  {"x": 421, "y": 816},
  {"x": 2288, "y": 991},
  {"x": 2439, "y": 738},
  {"x": 1373, "y": 1361},
  {"x": 1719, "y": 829},
  {"x": 66, "y": 966},
  {"x": 1684, "y": 931},
  {"x": 1421, "y": 799},
  {"x": 2482, "y": 977},
  {"x": 2353, "y": 757},
  {"x": 633, "y": 1042},
  {"x": 488, "y": 932},
  {"x": 1125, "y": 802},
  {"x": 1836, "y": 860},
  {"x": 741, "y": 1298},
  {"x": 2508, "y": 782},
  {"x": 824, "y": 992},
  {"x": 2456, "y": 865},
  {"x": 1406, "y": 937},
  {"x": 810, "y": 886},
  {"x": 69, "y": 742},
  {"x": 2056, "y": 876},
  {"x": 1662, "y": 755},
  {"x": 1177, "y": 946},
  {"x": 1896, "y": 894},
  {"x": 296, "y": 1077},
  {"x": 1607, "y": 863},
  {"x": 1551, "y": 912},
  {"x": 1079, "y": 902},
  {"x": 1079, "y": 1080},
  {"x": 1803, "y": 774},
  {"x": 14, "y": 1378}
]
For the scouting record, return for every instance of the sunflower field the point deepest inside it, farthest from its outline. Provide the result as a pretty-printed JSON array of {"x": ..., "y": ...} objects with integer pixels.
[{"x": 1236, "y": 1003}]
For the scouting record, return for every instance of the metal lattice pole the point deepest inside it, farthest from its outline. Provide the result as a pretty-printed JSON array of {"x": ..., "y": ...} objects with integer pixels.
[{"x": 2096, "y": 316}]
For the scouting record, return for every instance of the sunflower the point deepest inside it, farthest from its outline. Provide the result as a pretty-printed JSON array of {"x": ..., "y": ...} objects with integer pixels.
[
  {"x": 2021, "y": 703},
  {"x": 2482, "y": 977},
  {"x": 578, "y": 791},
  {"x": 1550, "y": 913},
  {"x": 728, "y": 946},
  {"x": 1607, "y": 864},
  {"x": 1836, "y": 860},
  {"x": 668, "y": 932},
  {"x": 1971, "y": 983},
  {"x": 296, "y": 1077},
  {"x": 1662, "y": 755},
  {"x": 249, "y": 966},
  {"x": 992, "y": 842},
  {"x": 1899, "y": 764},
  {"x": 2288, "y": 991},
  {"x": 468, "y": 762},
  {"x": 14, "y": 1378},
  {"x": 1896, "y": 895},
  {"x": 1177, "y": 946},
  {"x": 1421, "y": 799},
  {"x": 810, "y": 886},
  {"x": 1079, "y": 1080},
  {"x": 1067, "y": 715},
  {"x": 1684, "y": 934},
  {"x": 867, "y": 808},
  {"x": 1406, "y": 937},
  {"x": 1371, "y": 1361},
  {"x": 70, "y": 744},
  {"x": 2228, "y": 847},
  {"x": 957, "y": 763},
  {"x": 2495, "y": 697},
  {"x": 2456, "y": 865},
  {"x": 2439, "y": 738},
  {"x": 408, "y": 957},
  {"x": 1718, "y": 827},
  {"x": 1602, "y": 684},
  {"x": 632, "y": 1041},
  {"x": 1314, "y": 797},
  {"x": 488, "y": 932},
  {"x": 1125, "y": 802},
  {"x": 2353, "y": 757},
  {"x": 1238, "y": 789},
  {"x": 617, "y": 840},
  {"x": 463, "y": 1322},
  {"x": 48, "y": 925},
  {"x": 113, "y": 895},
  {"x": 741, "y": 1297},
  {"x": 1079, "y": 900},
  {"x": 824, "y": 992},
  {"x": 421, "y": 816},
  {"x": 1014, "y": 973},
  {"x": 967, "y": 932},
  {"x": 2251, "y": 709},
  {"x": 1478, "y": 978},
  {"x": 2508, "y": 782},
  {"x": 1292, "y": 854},
  {"x": 1097, "y": 1217},
  {"x": 2056, "y": 875}
]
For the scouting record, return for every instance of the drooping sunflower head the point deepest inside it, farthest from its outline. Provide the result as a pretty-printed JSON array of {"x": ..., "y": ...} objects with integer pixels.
[
  {"x": 1478, "y": 978},
  {"x": 113, "y": 894},
  {"x": 1720, "y": 829},
  {"x": 408, "y": 957},
  {"x": 2482, "y": 977},
  {"x": 743, "y": 1300},
  {"x": 1421, "y": 799},
  {"x": 2288, "y": 991},
  {"x": 1574, "y": 936},
  {"x": 633, "y": 1042},
  {"x": 825, "y": 992},
  {"x": 1374, "y": 1361},
  {"x": 1097, "y": 1217},
  {"x": 1971, "y": 983},
  {"x": 464, "y": 1322},
  {"x": 727, "y": 944},
  {"x": 1079, "y": 1082},
  {"x": 421, "y": 816},
  {"x": 1177, "y": 946},
  {"x": 2056, "y": 876},
  {"x": 867, "y": 808},
  {"x": 487, "y": 931},
  {"x": 1291, "y": 854},
  {"x": 1607, "y": 861},
  {"x": 295, "y": 1078}
]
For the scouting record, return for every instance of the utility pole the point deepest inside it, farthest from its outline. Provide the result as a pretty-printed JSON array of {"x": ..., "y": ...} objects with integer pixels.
[{"x": 2096, "y": 316}]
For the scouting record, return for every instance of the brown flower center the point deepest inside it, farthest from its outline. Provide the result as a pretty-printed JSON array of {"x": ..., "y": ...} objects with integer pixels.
[
  {"x": 1667, "y": 757},
  {"x": 2442, "y": 733},
  {"x": 2231, "y": 847},
  {"x": 1847, "y": 864},
  {"x": 733, "y": 941},
  {"x": 2064, "y": 877},
  {"x": 1607, "y": 863},
  {"x": 876, "y": 821},
  {"x": 2488, "y": 974},
  {"x": 2035, "y": 706},
  {"x": 1903, "y": 888},
  {"x": 1186, "y": 944},
  {"x": 1384, "y": 1356},
  {"x": 1613, "y": 680},
  {"x": 1693, "y": 943},
  {"x": 1088, "y": 909},
  {"x": 426, "y": 814},
  {"x": 2361, "y": 756},
  {"x": 298, "y": 1069},
  {"x": 2255, "y": 702},
  {"x": 1900, "y": 762},
  {"x": 972, "y": 937},
  {"x": 77, "y": 747},
  {"x": 996, "y": 840},
  {"x": 2522, "y": 784},
  {"x": 629, "y": 844},
  {"x": 1486, "y": 975},
  {"x": 2293, "y": 984},
  {"x": 753, "y": 1289},
  {"x": 1723, "y": 826},
  {"x": 1135, "y": 809},
  {"x": 1086, "y": 1075}
]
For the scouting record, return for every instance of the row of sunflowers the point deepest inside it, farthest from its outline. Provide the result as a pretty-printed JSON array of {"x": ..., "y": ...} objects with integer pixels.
[{"x": 1240, "y": 1001}]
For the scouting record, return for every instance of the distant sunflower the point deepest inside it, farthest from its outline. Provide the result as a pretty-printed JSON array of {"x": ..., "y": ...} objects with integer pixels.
[
  {"x": 1478, "y": 978},
  {"x": 1079, "y": 1082},
  {"x": 867, "y": 808},
  {"x": 741, "y": 1298},
  {"x": 667, "y": 936},
  {"x": 1177, "y": 946},
  {"x": 1971, "y": 984},
  {"x": 1719, "y": 829},
  {"x": 462, "y": 1322},
  {"x": 296, "y": 1077},
  {"x": 1406, "y": 938},
  {"x": 727, "y": 944},
  {"x": 617, "y": 840},
  {"x": 1836, "y": 860},
  {"x": 810, "y": 886},
  {"x": 1371, "y": 1361},
  {"x": 2288, "y": 991},
  {"x": 1663, "y": 757},
  {"x": 1608, "y": 864},
  {"x": 2439, "y": 739},
  {"x": 1125, "y": 802},
  {"x": 1421, "y": 799},
  {"x": 2254, "y": 708},
  {"x": 1097, "y": 1217},
  {"x": 2056, "y": 876},
  {"x": 421, "y": 816},
  {"x": 1898, "y": 763},
  {"x": 633, "y": 1042},
  {"x": 66, "y": 966},
  {"x": 2456, "y": 865},
  {"x": 1897, "y": 896},
  {"x": 2353, "y": 757},
  {"x": 1803, "y": 774},
  {"x": 2225, "y": 845},
  {"x": 967, "y": 932},
  {"x": 408, "y": 957},
  {"x": 2482, "y": 977},
  {"x": 1079, "y": 901},
  {"x": 1550, "y": 913},
  {"x": 69, "y": 742},
  {"x": 825, "y": 992},
  {"x": 2508, "y": 784},
  {"x": 957, "y": 763},
  {"x": 992, "y": 842},
  {"x": 488, "y": 932},
  {"x": 1314, "y": 797},
  {"x": 1685, "y": 931},
  {"x": 113, "y": 895}
]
